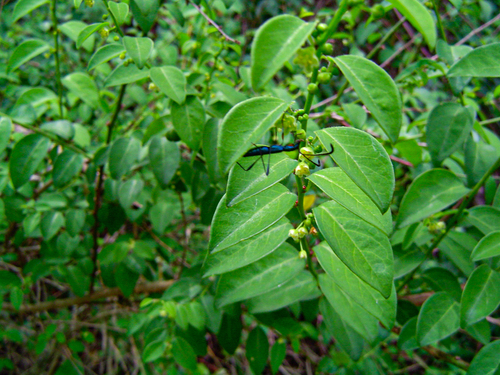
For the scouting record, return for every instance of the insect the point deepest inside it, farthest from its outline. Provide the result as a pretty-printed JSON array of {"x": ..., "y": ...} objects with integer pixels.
[{"x": 275, "y": 149}]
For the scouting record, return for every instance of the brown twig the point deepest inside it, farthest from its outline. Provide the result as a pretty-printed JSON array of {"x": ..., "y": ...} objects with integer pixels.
[
  {"x": 153, "y": 287},
  {"x": 212, "y": 22}
]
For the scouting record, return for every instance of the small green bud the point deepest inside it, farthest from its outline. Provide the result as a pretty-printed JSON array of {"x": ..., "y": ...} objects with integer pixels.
[
  {"x": 302, "y": 254},
  {"x": 302, "y": 232},
  {"x": 122, "y": 56},
  {"x": 322, "y": 27},
  {"x": 301, "y": 112},
  {"x": 378, "y": 11},
  {"x": 126, "y": 63},
  {"x": 312, "y": 87},
  {"x": 105, "y": 16},
  {"x": 307, "y": 223},
  {"x": 89, "y": 3},
  {"x": 104, "y": 32},
  {"x": 324, "y": 77},
  {"x": 302, "y": 170},
  {"x": 327, "y": 48},
  {"x": 300, "y": 134},
  {"x": 306, "y": 116},
  {"x": 152, "y": 86},
  {"x": 294, "y": 234},
  {"x": 116, "y": 38},
  {"x": 300, "y": 118}
]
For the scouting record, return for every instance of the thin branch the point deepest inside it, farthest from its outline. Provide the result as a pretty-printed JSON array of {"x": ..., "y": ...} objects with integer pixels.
[
  {"x": 439, "y": 354},
  {"x": 212, "y": 22},
  {"x": 154, "y": 287}
]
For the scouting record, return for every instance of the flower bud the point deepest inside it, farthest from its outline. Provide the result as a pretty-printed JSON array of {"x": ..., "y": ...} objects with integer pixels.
[
  {"x": 302, "y": 232},
  {"x": 302, "y": 170},
  {"x": 294, "y": 234}
]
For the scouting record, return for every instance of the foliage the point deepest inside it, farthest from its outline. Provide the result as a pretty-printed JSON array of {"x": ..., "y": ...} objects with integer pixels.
[{"x": 140, "y": 237}]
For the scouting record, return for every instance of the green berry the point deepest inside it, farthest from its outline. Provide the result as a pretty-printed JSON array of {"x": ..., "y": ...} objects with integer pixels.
[
  {"x": 322, "y": 27},
  {"x": 311, "y": 88},
  {"x": 324, "y": 77},
  {"x": 327, "y": 48}
]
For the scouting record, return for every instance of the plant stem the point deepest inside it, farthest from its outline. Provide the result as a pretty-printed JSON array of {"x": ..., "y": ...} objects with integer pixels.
[
  {"x": 440, "y": 24},
  {"x": 384, "y": 39},
  {"x": 114, "y": 19},
  {"x": 56, "y": 55},
  {"x": 98, "y": 192},
  {"x": 305, "y": 246}
]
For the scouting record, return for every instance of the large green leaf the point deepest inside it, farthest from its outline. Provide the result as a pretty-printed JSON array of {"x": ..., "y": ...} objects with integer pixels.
[
  {"x": 26, "y": 51},
  {"x": 443, "y": 280},
  {"x": 129, "y": 192},
  {"x": 50, "y": 224},
  {"x": 72, "y": 30},
  {"x": 144, "y": 12},
  {"x": 244, "y": 125},
  {"x": 259, "y": 277},
  {"x": 302, "y": 287},
  {"x": 488, "y": 247},
  {"x": 62, "y": 128},
  {"x": 481, "y": 295},
  {"x": 188, "y": 119},
  {"x": 419, "y": 17},
  {"x": 408, "y": 336},
  {"x": 487, "y": 361},
  {"x": 104, "y": 54},
  {"x": 438, "y": 318},
  {"x": 245, "y": 184},
  {"x": 365, "y": 249},
  {"x": 377, "y": 91},
  {"x": 483, "y": 61},
  {"x": 83, "y": 87},
  {"x": 139, "y": 49},
  {"x": 247, "y": 251},
  {"x": 371, "y": 300},
  {"x": 448, "y": 125},
  {"x": 364, "y": 160},
  {"x": 350, "y": 311},
  {"x": 184, "y": 354},
  {"x": 485, "y": 218},
  {"x": 171, "y": 81},
  {"x": 275, "y": 43},
  {"x": 164, "y": 157},
  {"x": 257, "y": 350},
  {"x": 23, "y": 7},
  {"x": 232, "y": 225},
  {"x": 66, "y": 166},
  {"x": 428, "y": 194},
  {"x": 479, "y": 157},
  {"x": 123, "y": 155},
  {"x": 26, "y": 156},
  {"x": 348, "y": 339},
  {"x": 119, "y": 10},
  {"x": 75, "y": 220},
  {"x": 210, "y": 136},
  {"x": 338, "y": 186},
  {"x": 123, "y": 75}
]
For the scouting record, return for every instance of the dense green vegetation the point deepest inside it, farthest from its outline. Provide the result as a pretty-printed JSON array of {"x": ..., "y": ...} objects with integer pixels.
[{"x": 139, "y": 238}]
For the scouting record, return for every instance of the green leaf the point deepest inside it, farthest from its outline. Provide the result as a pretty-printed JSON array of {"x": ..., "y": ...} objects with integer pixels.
[
  {"x": 16, "y": 297},
  {"x": 301, "y": 287},
  {"x": 483, "y": 61},
  {"x": 351, "y": 312},
  {"x": 83, "y": 87},
  {"x": 348, "y": 339},
  {"x": 438, "y": 318},
  {"x": 129, "y": 192},
  {"x": 408, "y": 336},
  {"x": 232, "y": 225},
  {"x": 371, "y": 300},
  {"x": 245, "y": 184},
  {"x": 377, "y": 91},
  {"x": 66, "y": 166},
  {"x": 485, "y": 218},
  {"x": 443, "y": 280},
  {"x": 139, "y": 49},
  {"x": 125, "y": 279},
  {"x": 119, "y": 10},
  {"x": 88, "y": 31},
  {"x": 487, "y": 361},
  {"x": 479, "y": 158},
  {"x": 428, "y": 194},
  {"x": 230, "y": 332},
  {"x": 184, "y": 354},
  {"x": 362, "y": 247},
  {"x": 104, "y": 54},
  {"x": 480, "y": 331},
  {"x": 5, "y": 131},
  {"x": 337, "y": 185},
  {"x": 75, "y": 219},
  {"x": 257, "y": 349},
  {"x": 154, "y": 350},
  {"x": 36, "y": 97},
  {"x": 276, "y": 41},
  {"x": 124, "y": 75},
  {"x": 25, "y": 52},
  {"x": 419, "y": 17},
  {"x": 25, "y": 158},
  {"x": 51, "y": 222},
  {"x": 457, "y": 247},
  {"x": 188, "y": 119},
  {"x": 23, "y": 7},
  {"x": 259, "y": 277},
  {"x": 364, "y": 160},
  {"x": 488, "y": 247},
  {"x": 244, "y": 125},
  {"x": 72, "y": 30},
  {"x": 164, "y": 157},
  {"x": 481, "y": 295},
  {"x": 210, "y": 136},
  {"x": 144, "y": 12},
  {"x": 123, "y": 155},
  {"x": 62, "y": 128},
  {"x": 171, "y": 81},
  {"x": 247, "y": 251},
  {"x": 277, "y": 355},
  {"x": 448, "y": 125},
  {"x": 77, "y": 280},
  {"x": 161, "y": 215}
]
